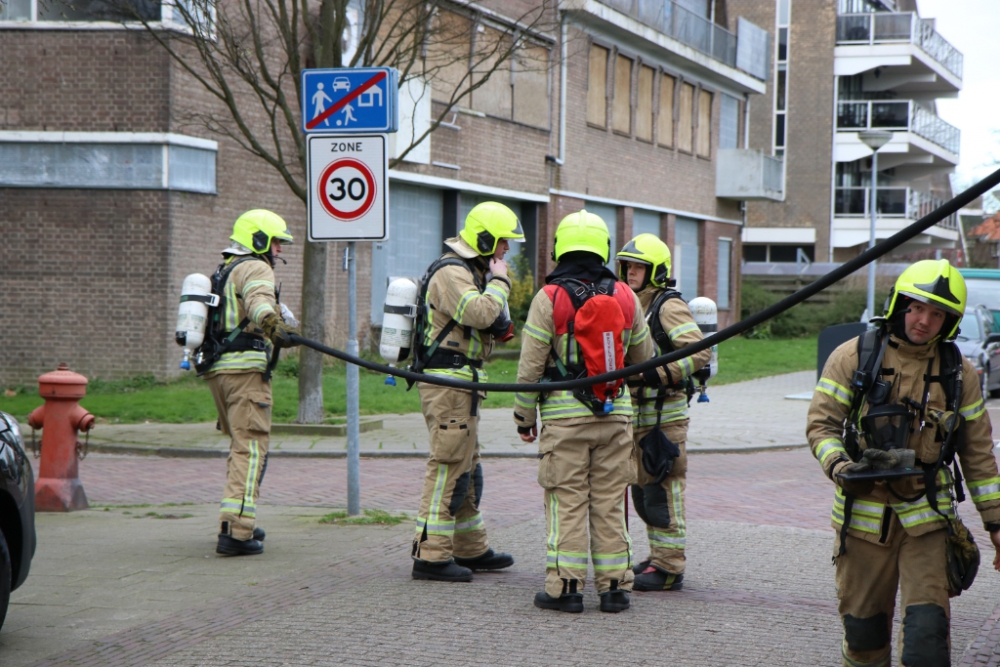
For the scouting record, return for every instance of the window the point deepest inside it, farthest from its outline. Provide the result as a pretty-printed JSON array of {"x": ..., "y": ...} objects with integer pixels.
[
  {"x": 665, "y": 118},
  {"x": 754, "y": 253},
  {"x": 531, "y": 86},
  {"x": 621, "y": 102},
  {"x": 644, "y": 104},
  {"x": 685, "y": 118},
  {"x": 445, "y": 65},
  {"x": 685, "y": 257},
  {"x": 729, "y": 122},
  {"x": 495, "y": 96},
  {"x": 597, "y": 86},
  {"x": 725, "y": 248},
  {"x": 781, "y": 77},
  {"x": 645, "y": 222},
  {"x": 704, "y": 123},
  {"x": 109, "y": 160}
]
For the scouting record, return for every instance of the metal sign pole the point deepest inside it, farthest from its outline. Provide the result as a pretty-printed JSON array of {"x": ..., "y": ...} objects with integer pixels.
[{"x": 353, "y": 389}]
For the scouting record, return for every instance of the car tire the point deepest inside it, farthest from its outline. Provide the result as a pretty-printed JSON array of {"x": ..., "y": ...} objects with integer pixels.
[{"x": 5, "y": 578}]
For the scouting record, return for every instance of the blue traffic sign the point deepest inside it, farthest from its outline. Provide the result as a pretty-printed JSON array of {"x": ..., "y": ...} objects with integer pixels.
[{"x": 349, "y": 100}]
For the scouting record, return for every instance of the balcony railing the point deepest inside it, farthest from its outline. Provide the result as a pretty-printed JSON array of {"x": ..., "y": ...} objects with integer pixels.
[
  {"x": 683, "y": 25},
  {"x": 893, "y": 202},
  {"x": 902, "y": 115},
  {"x": 748, "y": 175},
  {"x": 885, "y": 28}
]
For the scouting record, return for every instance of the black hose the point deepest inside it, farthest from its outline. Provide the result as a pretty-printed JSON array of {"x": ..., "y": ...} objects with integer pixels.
[{"x": 880, "y": 249}]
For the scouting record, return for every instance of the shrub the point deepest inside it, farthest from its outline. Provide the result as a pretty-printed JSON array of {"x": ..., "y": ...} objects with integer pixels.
[{"x": 805, "y": 319}]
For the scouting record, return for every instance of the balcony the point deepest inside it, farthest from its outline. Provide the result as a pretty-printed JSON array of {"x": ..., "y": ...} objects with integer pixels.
[
  {"x": 898, "y": 116},
  {"x": 667, "y": 24},
  {"x": 906, "y": 28},
  {"x": 748, "y": 175},
  {"x": 897, "y": 207}
]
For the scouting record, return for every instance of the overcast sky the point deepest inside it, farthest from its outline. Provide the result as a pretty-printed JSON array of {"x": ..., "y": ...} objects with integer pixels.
[{"x": 973, "y": 27}]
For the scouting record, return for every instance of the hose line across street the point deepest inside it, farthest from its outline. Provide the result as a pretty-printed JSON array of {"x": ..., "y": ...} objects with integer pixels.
[{"x": 870, "y": 255}]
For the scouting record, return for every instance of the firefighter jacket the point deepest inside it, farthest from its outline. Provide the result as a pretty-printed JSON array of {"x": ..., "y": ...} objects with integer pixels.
[
  {"x": 453, "y": 294},
  {"x": 538, "y": 340},
  {"x": 249, "y": 293},
  {"x": 870, "y": 516},
  {"x": 678, "y": 323}
]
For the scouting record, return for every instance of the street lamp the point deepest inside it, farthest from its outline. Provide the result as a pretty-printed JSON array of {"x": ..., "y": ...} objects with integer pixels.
[{"x": 874, "y": 139}]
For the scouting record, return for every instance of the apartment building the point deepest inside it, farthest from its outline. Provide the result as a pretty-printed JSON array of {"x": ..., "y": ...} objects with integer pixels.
[
  {"x": 842, "y": 68},
  {"x": 110, "y": 195}
]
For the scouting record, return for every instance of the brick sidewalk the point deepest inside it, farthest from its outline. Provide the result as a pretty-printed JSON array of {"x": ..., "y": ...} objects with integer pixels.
[{"x": 759, "y": 590}]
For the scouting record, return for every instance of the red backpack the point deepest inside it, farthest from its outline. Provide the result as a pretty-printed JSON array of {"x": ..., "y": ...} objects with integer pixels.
[{"x": 595, "y": 316}]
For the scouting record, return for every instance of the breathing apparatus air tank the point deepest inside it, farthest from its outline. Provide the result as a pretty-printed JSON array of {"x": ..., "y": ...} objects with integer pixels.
[
  {"x": 192, "y": 316},
  {"x": 400, "y": 310},
  {"x": 706, "y": 316}
]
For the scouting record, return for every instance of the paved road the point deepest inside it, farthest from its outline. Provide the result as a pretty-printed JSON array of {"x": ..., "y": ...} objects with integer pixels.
[
  {"x": 135, "y": 580},
  {"x": 127, "y": 585}
]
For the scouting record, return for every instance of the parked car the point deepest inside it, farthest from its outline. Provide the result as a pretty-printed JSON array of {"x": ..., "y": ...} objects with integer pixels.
[
  {"x": 979, "y": 340},
  {"x": 983, "y": 286},
  {"x": 17, "y": 511}
]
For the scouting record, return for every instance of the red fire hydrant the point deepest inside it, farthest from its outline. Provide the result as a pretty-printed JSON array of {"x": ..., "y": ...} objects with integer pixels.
[{"x": 58, "y": 487}]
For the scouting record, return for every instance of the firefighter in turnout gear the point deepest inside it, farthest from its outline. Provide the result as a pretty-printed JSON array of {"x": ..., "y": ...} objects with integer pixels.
[
  {"x": 245, "y": 331},
  {"x": 585, "y": 440},
  {"x": 464, "y": 308},
  {"x": 660, "y": 400},
  {"x": 905, "y": 387}
]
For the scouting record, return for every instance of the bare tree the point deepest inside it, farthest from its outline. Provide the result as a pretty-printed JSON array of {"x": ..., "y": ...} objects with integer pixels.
[{"x": 249, "y": 54}]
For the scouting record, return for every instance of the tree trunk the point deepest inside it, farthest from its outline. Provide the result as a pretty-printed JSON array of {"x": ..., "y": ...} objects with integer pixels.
[{"x": 313, "y": 328}]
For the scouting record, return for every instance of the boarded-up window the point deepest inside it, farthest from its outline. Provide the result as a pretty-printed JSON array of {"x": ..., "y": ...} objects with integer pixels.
[
  {"x": 447, "y": 62},
  {"x": 597, "y": 86},
  {"x": 621, "y": 103},
  {"x": 531, "y": 86},
  {"x": 495, "y": 96},
  {"x": 644, "y": 104},
  {"x": 705, "y": 123},
  {"x": 665, "y": 117},
  {"x": 685, "y": 118}
]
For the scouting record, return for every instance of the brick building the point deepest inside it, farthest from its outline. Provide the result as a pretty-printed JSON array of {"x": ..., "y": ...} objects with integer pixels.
[
  {"x": 840, "y": 68},
  {"x": 109, "y": 196}
]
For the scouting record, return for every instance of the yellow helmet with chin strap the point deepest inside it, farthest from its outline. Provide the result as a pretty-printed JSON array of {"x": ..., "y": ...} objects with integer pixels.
[
  {"x": 582, "y": 231},
  {"x": 936, "y": 283},
  {"x": 255, "y": 230},
  {"x": 649, "y": 250},
  {"x": 489, "y": 222}
]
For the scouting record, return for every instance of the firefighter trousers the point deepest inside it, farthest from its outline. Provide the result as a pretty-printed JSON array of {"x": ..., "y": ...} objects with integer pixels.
[
  {"x": 661, "y": 506},
  {"x": 450, "y": 523},
  {"x": 868, "y": 575},
  {"x": 585, "y": 469},
  {"x": 243, "y": 401}
]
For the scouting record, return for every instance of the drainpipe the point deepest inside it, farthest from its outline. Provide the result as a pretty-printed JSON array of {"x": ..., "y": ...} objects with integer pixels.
[{"x": 563, "y": 50}]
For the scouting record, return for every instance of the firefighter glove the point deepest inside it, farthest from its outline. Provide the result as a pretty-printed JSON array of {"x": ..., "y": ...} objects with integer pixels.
[
  {"x": 879, "y": 459},
  {"x": 279, "y": 332},
  {"x": 859, "y": 487}
]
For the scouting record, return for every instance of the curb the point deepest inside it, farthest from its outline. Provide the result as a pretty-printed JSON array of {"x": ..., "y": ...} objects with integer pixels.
[{"x": 196, "y": 453}]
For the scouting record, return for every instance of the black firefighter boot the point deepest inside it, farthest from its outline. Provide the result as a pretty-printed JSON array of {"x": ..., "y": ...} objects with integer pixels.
[
  {"x": 259, "y": 534},
  {"x": 446, "y": 571},
  {"x": 569, "y": 600},
  {"x": 490, "y": 560},
  {"x": 614, "y": 600},
  {"x": 656, "y": 579},
  {"x": 230, "y": 546}
]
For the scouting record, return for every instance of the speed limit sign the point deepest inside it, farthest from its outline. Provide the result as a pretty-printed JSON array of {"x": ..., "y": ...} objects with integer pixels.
[{"x": 347, "y": 188}]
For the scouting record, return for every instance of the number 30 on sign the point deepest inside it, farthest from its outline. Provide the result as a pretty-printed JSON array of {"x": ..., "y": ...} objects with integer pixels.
[{"x": 347, "y": 188}]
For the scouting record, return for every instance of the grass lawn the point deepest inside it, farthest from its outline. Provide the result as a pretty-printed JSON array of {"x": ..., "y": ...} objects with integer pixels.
[{"x": 188, "y": 400}]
